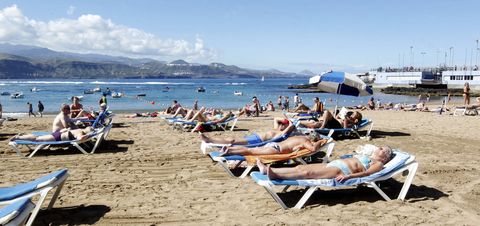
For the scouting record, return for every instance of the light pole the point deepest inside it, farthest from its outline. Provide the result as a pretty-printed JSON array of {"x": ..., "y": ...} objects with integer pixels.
[
  {"x": 476, "y": 54},
  {"x": 451, "y": 56},
  {"x": 411, "y": 56},
  {"x": 423, "y": 58}
]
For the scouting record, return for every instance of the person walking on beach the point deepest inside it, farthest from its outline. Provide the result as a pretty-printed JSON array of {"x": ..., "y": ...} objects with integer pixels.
[
  {"x": 286, "y": 104},
  {"x": 296, "y": 99},
  {"x": 40, "y": 108},
  {"x": 279, "y": 103},
  {"x": 1, "y": 110},
  {"x": 30, "y": 110},
  {"x": 466, "y": 94},
  {"x": 195, "y": 105}
]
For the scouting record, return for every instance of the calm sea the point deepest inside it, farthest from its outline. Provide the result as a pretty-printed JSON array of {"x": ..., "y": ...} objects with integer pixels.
[{"x": 218, "y": 93}]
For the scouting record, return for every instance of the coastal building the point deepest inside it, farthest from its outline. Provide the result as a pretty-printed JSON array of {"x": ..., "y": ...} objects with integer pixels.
[{"x": 451, "y": 77}]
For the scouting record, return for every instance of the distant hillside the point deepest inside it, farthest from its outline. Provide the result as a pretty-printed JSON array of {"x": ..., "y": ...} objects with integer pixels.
[{"x": 30, "y": 62}]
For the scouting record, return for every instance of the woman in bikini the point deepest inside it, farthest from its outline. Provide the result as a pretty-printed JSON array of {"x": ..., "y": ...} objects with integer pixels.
[
  {"x": 466, "y": 94},
  {"x": 340, "y": 169},
  {"x": 61, "y": 135},
  {"x": 330, "y": 122}
]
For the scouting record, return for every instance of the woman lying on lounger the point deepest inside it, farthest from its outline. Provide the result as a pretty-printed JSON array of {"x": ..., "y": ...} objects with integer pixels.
[
  {"x": 254, "y": 138},
  {"x": 330, "y": 122},
  {"x": 62, "y": 135},
  {"x": 340, "y": 169},
  {"x": 292, "y": 144},
  {"x": 215, "y": 117}
]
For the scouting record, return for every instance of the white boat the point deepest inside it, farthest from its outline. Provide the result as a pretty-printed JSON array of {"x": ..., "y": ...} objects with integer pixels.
[
  {"x": 5, "y": 94},
  {"x": 201, "y": 89},
  {"x": 17, "y": 95},
  {"x": 96, "y": 90},
  {"x": 238, "y": 93},
  {"x": 117, "y": 94},
  {"x": 34, "y": 89},
  {"x": 263, "y": 78},
  {"x": 88, "y": 91}
]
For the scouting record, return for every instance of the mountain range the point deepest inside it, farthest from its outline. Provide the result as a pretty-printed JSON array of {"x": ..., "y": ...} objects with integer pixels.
[{"x": 32, "y": 62}]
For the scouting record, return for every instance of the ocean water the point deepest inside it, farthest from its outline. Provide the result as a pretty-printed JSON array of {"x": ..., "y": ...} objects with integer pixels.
[{"x": 218, "y": 94}]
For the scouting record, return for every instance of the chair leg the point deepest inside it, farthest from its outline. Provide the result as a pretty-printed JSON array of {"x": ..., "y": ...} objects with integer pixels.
[
  {"x": 305, "y": 197},
  {"x": 57, "y": 192},
  {"x": 246, "y": 171},
  {"x": 412, "y": 170},
  {"x": 39, "y": 147},
  {"x": 225, "y": 167},
  {"x": 275, "y": 196},
  {"x": 374, "y": 186},
  {"x": 38, "y": 205},
  {"x": 80, "y": 148}
]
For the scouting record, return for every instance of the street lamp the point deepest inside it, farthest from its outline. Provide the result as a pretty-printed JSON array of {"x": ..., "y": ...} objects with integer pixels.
[
  {"x": 411, "y": 56},
  {"x": 423, "y": 58},
  {"x": 451, "y": 56},
  {"x": 476, "y": 54}
]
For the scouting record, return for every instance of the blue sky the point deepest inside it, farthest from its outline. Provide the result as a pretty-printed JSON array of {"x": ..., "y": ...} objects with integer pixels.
[{"x": 286, "y": 35}]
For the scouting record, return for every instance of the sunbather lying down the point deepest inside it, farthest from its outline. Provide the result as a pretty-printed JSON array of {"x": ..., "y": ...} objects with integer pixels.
[
  {"x": 62, "y": 135},
  {"x": 254, "y": 138},
  {"x": 312, "y": 142},
  {"x": 340, "y": 169},
  {"x": 147, "y": 114},
  {"x": 330, "y": 122},
  {"x": 201, "y": 116}
]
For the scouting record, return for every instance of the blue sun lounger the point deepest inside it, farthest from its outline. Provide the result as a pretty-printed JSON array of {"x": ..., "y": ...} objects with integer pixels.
[
  {"x": 204, "y": 146},
  {"x": 346, "y": 132},
  {"x": 97, "y": 136},
  {"x": 401, "y": 162},
  {"x": 16, "y": 213},
  {"x": 41, "y": 186},
  {"x": 223, "y": 160},
  {"x": 195, "y": 126}
]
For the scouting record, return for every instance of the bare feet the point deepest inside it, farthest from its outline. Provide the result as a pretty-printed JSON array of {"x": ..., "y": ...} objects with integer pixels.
[
  {"x": 271, "y": 174},
  {"x": 224, "y": 151},
  {"x": 262, "y": 167}
]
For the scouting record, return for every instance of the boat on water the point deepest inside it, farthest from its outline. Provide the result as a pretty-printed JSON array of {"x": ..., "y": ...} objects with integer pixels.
[
  {"x": 263, "y": 78},
  {"x": 88, "y": 91},
  {"x": 107, "y": 92},
  {"x": 96, "y": 90},
  {"x": 17, "y": 95},
  {"x": 237, "y": 93},
  {"x": 117, "y": 94},
  {"x": 201, "y": 89},
  {"x": 141, "y": 95},
  {"x": 166, "y": 89},
  {"x": 34, "y": 89},
  {"x": 5, "y": 93}
]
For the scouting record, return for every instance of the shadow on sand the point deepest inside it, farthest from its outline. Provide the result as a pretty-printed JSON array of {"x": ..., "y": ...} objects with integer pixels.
[
  {"x": 391, "y": 187},
  {"x": 107, "y": 146},
  {"x": 75, "y": 215}
]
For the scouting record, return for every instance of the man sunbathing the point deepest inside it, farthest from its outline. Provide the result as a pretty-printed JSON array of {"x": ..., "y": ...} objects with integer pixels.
[
  {"x": 254, "y": 138},
  {"x": 330, "y": 122},
  {"x": 63, "y": 120},
  {"x": 340, "y": 169},
  {"x": 61, "y": 135},
  {"x": 316, "y": 108},
  {"x": 292, "y": 144}
]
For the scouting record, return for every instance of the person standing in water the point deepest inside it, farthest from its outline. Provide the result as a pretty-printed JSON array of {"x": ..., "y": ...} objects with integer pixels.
[
  {"x": 30, "y": 110},
  {"x": 40, "y": 108}
]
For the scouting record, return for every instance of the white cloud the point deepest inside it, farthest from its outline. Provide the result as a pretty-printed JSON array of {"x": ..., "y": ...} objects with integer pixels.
[
  {"x": 71, "y": 10},
  {"x": 94, "y": 34}
]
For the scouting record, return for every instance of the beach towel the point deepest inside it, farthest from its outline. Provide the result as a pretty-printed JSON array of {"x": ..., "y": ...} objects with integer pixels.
[{"x": 251, "y": 159}]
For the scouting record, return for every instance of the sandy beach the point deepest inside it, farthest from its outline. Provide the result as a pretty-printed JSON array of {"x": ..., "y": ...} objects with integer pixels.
[{"x": 145, "y": 173}]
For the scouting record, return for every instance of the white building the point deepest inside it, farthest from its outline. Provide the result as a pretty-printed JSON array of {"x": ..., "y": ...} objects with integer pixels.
[
  {"x": 397, "y": 78},
  {"x": 456, "y": 79}
]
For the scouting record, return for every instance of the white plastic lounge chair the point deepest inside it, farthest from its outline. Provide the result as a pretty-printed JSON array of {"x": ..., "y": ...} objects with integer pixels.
[
  {"x": 41, "y": 186},
  {"x": 195, "y": 126},
  {"x": 96, "y": 136},
  {"x": 346, "y": 132},
  {"x": 16, "y": 213},
  {"x": 223, "y": 160},
  {"x": 204, "y": 146},
  {"x": 401, "y": 162},
  {"x": 465, "y": 111}
]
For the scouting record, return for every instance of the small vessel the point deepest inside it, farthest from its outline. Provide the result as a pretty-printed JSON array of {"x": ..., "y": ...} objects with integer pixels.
[
  {"x": 34, "y": 89},
  {"x": 263, "y": 78},
  {"x": 17, "y": 95},
  {"x": 201, "y": 89},
  {"x": 117, "y": 94},
  {"x": 166, "y": 89},
  {"x": 88, "y": 91},
  {"x": 237, "y": 93},
  {"x": 5, "y": 94},
  {"x": 107, "y": 92},
  {"x": 96, "y": 90},
  {"x": 141, "y": 95}
]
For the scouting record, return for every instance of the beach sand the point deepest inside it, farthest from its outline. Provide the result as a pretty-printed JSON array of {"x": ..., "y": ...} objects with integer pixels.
[{"x": 145, "y": 173}]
